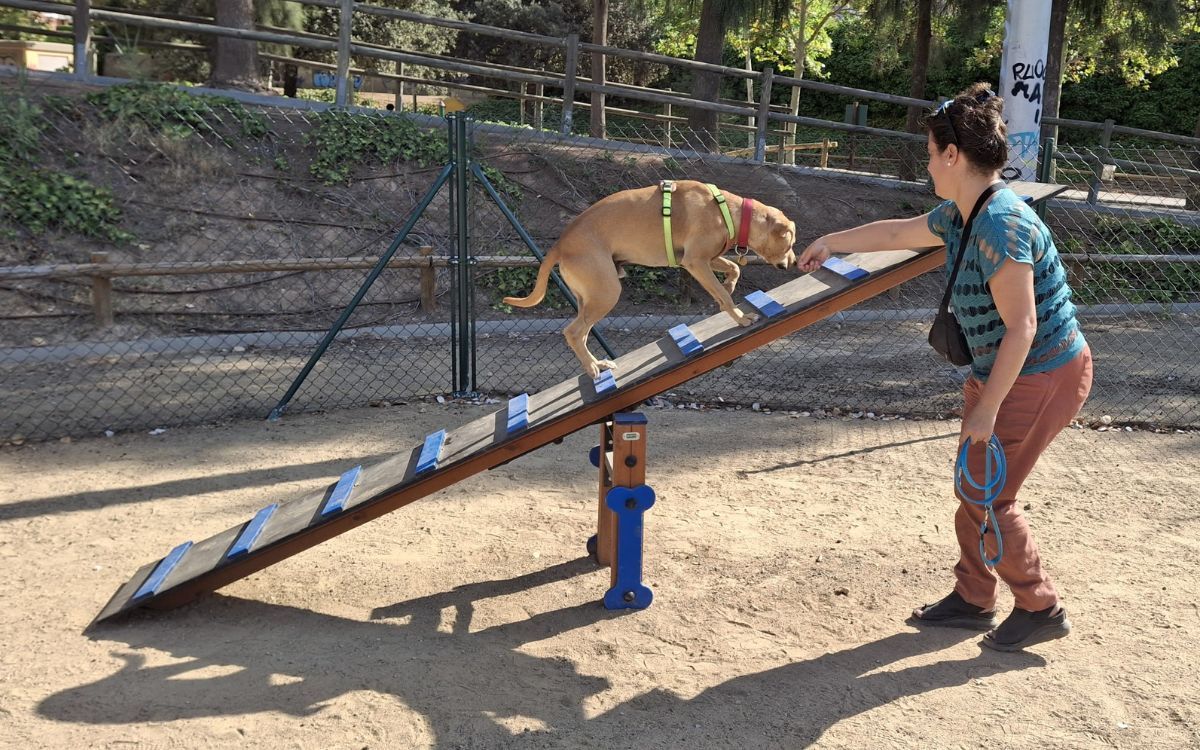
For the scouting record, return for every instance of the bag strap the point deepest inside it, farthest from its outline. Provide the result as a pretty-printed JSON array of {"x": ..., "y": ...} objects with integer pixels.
[{"x": 966, "y": 237}]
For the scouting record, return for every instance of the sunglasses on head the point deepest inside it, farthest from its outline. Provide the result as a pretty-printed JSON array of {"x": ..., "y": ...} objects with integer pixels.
[{"x": 944, "y": 109}]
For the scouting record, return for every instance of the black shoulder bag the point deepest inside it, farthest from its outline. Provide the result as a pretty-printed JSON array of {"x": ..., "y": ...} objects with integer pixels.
[{"x": 946, "y": 336}]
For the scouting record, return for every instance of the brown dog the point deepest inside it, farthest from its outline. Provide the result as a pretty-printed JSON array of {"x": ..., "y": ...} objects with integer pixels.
[{"x": 627, "y": 227}]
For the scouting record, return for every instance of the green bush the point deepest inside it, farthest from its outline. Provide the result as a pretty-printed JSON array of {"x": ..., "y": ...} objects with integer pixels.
[
  {"x": 38, "y": 198},
  {"x": 161, "y": 107},
  {"x": 343, "y": 140}
]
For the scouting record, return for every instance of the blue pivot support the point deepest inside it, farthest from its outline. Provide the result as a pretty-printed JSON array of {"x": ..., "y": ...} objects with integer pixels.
[
  {"x": 245, "y": 541},
  {"x": 629, "y": 504},
  {"x": 845, "y": 269},
  {"x": 764, "y": 303},
  {"x": 430, "y": 452},
  {"x": 155, "y": 580},
  {"x": 518, "y": 413},
  {"x": 341, "y": 492},
  {"x": 605, "y": 382},
  {"x": 685, "y": 340}
]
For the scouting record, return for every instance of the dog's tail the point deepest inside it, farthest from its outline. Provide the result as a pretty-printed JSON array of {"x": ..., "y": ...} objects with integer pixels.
[{"x": 539, "y": 288}]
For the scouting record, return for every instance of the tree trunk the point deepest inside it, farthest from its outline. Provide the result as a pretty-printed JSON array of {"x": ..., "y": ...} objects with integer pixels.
[
  {"x": 599, "y": 36},
  {"x": 920, "y": 73},
  {"x": 235, "y": 61},
  {"x": 1055, "y": 55},
  {"x": 710, "y": 43}
]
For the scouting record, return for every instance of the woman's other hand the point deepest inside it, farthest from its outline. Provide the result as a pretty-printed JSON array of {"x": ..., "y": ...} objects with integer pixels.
[{"x": 814, "y": 255}]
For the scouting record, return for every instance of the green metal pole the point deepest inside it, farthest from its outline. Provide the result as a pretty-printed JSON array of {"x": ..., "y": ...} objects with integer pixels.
[
  {"x": 1046, "y": 173},
  {"x": 332, "y": 333},
  {"x": 464, "y": 386},
  {"x": 533, "y": 248}
]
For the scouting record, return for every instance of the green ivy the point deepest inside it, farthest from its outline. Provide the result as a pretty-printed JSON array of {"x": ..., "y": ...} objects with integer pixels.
[
  {"x": 38, "y": 198},
  {"x": 518, "y": 281},
  {"x": 343, "y": 140},
  {"x": 161, "y": 107}
]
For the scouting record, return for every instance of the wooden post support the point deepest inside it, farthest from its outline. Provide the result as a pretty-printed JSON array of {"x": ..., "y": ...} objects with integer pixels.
[
  {"x": 824, "y": 153},
  {"x": 102, "y": 294},
  {"x": 606, "y": 520},
  {"x": 83, "y": 37},
  {"x": 522, "y": 90},
  {"x": 428, "y": 282},
  {"x": 400, "y": 87},
  {"x": 344, "y": 87},
  {"x": 667, "y": 128},
  {"x": 539, "y": 90},
  {"x": 1102, "y": 169},
  {"x": 568, "y": 98},
  {"x": 628, "y": 468},
  {"x": 763, "y": 118}
]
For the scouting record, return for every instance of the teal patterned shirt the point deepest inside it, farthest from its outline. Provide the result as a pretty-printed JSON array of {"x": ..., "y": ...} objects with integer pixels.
[{"x": 1008, "y": 230}]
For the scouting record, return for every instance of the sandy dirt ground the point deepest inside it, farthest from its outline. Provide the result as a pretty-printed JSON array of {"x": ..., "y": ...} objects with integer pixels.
[{"x": 784, "y": 554}]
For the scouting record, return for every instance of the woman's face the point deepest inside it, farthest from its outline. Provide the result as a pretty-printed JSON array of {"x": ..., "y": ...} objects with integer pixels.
[{"x": 941, "y": 167}]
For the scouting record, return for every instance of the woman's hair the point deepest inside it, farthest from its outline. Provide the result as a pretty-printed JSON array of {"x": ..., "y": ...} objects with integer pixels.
[{"x": 972, "y": 121}]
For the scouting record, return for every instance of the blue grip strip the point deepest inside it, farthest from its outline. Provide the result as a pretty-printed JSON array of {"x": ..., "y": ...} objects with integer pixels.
[
  {"x": 846, "y": 270},
  {"x": 518, "y": 413},
  {"x": 150, "y": 586},
  {"x": 341, "y": 492},
  {"x": 430, "y": 452},
  {"x": 606, "y": 382},
  {"x": 765, "y": 303},
  {"x": 250, "y": 534},
  {"x": 685, "y": 340}
]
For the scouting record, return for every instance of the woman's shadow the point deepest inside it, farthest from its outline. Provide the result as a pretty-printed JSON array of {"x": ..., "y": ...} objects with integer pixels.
[{"x": 242, "y": 656}]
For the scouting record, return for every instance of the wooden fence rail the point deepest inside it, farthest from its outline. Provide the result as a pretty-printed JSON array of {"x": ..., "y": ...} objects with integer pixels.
[{"x": 569, "y": 81}]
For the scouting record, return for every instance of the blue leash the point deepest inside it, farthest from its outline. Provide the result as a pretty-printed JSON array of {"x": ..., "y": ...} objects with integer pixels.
[{"x": 994, "y": 460}]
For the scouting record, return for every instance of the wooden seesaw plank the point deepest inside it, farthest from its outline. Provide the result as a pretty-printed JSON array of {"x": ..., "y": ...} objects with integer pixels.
[{"x": 551, "y": 414}]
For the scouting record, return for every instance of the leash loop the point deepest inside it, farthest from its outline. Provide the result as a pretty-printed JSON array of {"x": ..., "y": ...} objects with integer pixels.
[{"x": 994, "y": 461}]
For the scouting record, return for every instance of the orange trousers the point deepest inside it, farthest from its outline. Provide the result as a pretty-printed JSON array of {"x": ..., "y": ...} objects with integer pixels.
[{"x": 1036, "y": 409}]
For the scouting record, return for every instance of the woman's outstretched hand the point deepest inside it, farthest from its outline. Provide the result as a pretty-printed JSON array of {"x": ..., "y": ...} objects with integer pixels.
[{"x": 814, "y": 255}]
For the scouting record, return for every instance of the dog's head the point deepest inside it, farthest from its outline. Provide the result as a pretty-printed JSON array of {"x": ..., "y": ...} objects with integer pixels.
[{"x": 778, "y": 236}]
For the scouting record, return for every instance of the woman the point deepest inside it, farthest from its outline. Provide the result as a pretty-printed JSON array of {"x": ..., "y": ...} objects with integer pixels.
[{"x": 1031, "y": 369}]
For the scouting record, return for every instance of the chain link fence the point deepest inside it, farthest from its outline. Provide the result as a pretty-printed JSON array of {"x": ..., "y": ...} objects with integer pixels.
[{"x": 174, "y": 259}]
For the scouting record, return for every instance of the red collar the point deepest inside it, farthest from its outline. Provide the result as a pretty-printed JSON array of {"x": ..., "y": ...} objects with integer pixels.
[{"x": 744, "y": 230}]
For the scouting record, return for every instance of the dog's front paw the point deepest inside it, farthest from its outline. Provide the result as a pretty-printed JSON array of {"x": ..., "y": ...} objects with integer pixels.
[
  {"x": 746, "y": 319},
  {"x": 606, "y": 364}
]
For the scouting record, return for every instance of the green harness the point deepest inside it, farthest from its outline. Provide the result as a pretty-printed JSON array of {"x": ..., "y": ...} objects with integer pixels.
[{"x": 668, "y": 187}]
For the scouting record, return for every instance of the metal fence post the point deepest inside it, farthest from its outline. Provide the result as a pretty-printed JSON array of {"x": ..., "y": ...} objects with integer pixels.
[
  {"x": 462, "y": 322},
  {"x": 83, "y": 37},
  {"x": 343, "y": 53},
  {"x": 1045, "y": 172},
  {"x": 568, "y": 105},
  {"x": 764, "y": 109}
]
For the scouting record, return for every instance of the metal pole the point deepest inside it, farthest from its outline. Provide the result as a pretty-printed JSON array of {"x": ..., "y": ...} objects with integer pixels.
[
  {"x": 533, "y": 248},
  {"x": 464, "y": 386},
  {"x": 83, "y": 37},
  {"x": 277, "y": 412},
  {"x": 343, "y": 58},
  {"x": 1045, "y": 173}
]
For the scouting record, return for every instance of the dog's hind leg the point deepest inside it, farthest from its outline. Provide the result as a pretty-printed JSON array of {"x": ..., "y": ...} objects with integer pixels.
[
  {"x": 730, "y": 270},
  {"x": 597, "y": 290}
]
